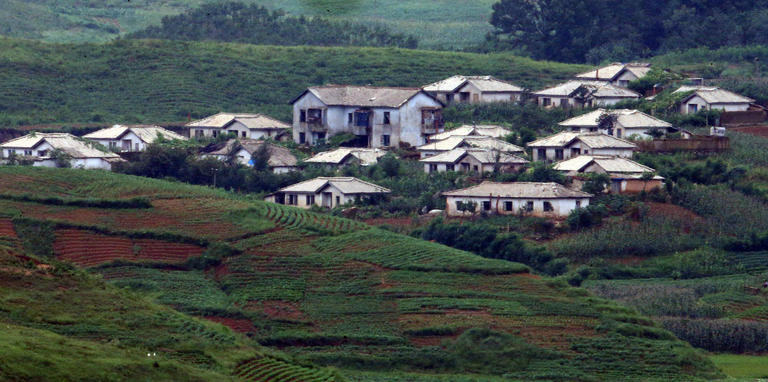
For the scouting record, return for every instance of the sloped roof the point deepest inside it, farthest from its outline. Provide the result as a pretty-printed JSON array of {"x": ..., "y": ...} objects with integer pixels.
[
  {"x": 593, "y": 140},
  {"x": 363, "y": 96},
  {"x": 455, "y": 141},
  {"x": 533, "y": 190},
  {"x": 486, "y": 130},
  {"x": 252, "y": 121},
  {"x": 599, "y": 90},
  {"x": 147, "y": 133},
  {"x": 484, "y": 83},
  {"x": 610, "y": 164},
  {"x": 713, "y": 95},
  {"x": 482, "y": 155},
  {"x": 625, "y": 117},
  {"x": 347, "y": 185},
  {"x": 610, "y": 72},
  {"x": 366, "y": 156},
  {"x": 65, "y": 142},
  {"x": 278, "y": 156}
]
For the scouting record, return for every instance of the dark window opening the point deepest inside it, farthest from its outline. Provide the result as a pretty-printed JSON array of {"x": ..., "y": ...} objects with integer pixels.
[
  {"x": 361, "y": 119},
  {"x": 315, "y": 116},
  {"x": 350, "y": 117},
  {"x": 542, "y": 154},
  {"x": 303, "y": 116},
  {"x": 302, "y": 138},
  {"x": 432, "y": 168},
  {"x": 559, "y": 154},
  {"x": 310, "y": 200},
  {"x": 507, "y": 206},
  {"x": 386, "y": 118},
  {"x": 546, "y": 101},
  {"x": 449, "y": 167},
  {"x": 529, "y": 206},
  {"x": 385, "y": 140},
  {"x": 486, "y": 205},
  {"x": 548, "y": 207}
]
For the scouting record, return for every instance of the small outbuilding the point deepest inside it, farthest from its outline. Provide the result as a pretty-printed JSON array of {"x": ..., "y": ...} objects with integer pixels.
[
  {"x": 567, "y": 144},
  {"x": 583, "y": 93},
  {"x": 244, "y": 125},
  {"x": 492, "y": 131},
  {"x": 328, "y": 192},
  {"x": 528, "y": 198},
  {"x": 473, "y": 160},
  {"x": 473, "y": 89},
  {"x": 617, "y": 74},
  {"x": 711, "y": 98},
  {"x": 469, "y": 141},
  {"x": 627, "y": 176},
  {"x": 281, "y": 160},
  {"x": 344, "y": 156},
  {"x": 626, "y": 123},
  {"x": 131, "y": 138}
]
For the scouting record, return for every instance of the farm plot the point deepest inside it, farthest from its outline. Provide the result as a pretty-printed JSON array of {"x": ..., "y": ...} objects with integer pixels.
[
  {"x": 272, "y": 369},
  {"x": 87, "y": 249},
  {"x": 295, "y": 218}
]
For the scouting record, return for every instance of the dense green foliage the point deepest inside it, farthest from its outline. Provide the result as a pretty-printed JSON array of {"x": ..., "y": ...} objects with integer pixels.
[
  {"x": 595, "y": 31},
  {"x": 237, "y": 22},
  {"x": 143, "y": 81}
]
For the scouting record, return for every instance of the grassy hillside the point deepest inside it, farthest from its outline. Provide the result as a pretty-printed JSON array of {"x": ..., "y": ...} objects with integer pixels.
[
  {"x": 329, "y": 291},
  {"x": 147, "y": 81},
  {"x": 438, "y": 23},
  {"x": 54, "y": 317}
]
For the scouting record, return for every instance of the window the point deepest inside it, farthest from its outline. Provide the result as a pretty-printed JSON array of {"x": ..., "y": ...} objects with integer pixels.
[
  {"x": 548, "y": 207},
  {"x": 350, "y": 117},
  {"x": 432, "y": 167},
  {"x": 126, "y": 145},
  {"x": 559, "y": 154},
  {"x": 475, "y": 97},
  {"x": 623, "y": 83},
  {"x": 310, "y": 200},
  {"x": 42, "y": 153},
  {"x": 692, "y": 108},
  {"x": 475, "y": 169},
  {"x": 546, "y": 101},
  {"x": 448, "y": 98},
  {"x": 315, "y": 116},
  {"x": 578, "y": 203},
  {"x": 302, "y": 138},
  {"x": 464, "y": 96},
  {"x": 215, "y": 133},
  {"x": 465, "y": 167},
  {"x": 618, "y": 133},
  {"x": 112, "y": 145},
  {"x": 28, "y": 152},
  {"x": 449, "y": 167},
  {"x": 338, "y": 200},
  {"x": 541, "y": 154},
  {"x": 293, "y": 199},
  {"x": 303, "y": 116},
  {"x": 564, "y": 102},
  {"x": 486, "y": 205},
  {"x": 243, "y": 134},
  {"x": 385, "y": 140},
  {"x": 431, "y": 118},
  {"x": 11, "y": 152},
  {"x": 319, "y": 136},
  {"x": 386, "y": 118},
  {"x": 529, "y": 205},
  {"x": 361, "y": 119},
  {"x": 199, "y": 133},
  {"x": 575, "y": 152},
  {"x": 508, "y": 206}
]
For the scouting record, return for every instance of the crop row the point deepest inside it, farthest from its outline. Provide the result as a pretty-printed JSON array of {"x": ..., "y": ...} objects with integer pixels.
[
  {"x": 88, "y": 249},
  {"x": 294, "y": 218},
  {"x": 272, "y": 369}
]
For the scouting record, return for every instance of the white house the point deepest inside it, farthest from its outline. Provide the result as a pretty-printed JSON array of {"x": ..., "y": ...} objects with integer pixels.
[
  {"x": 281, "y": 160},
  {"x": 477, "y": 141},
  {"x": 39, "y": 147},
  {"x": 378, "y": 116},
  {"x": 254, "y": 126},
  {"x": 711, "y": 98},
  {"x": 529, "y": 198},
  {"x": 567, "y": 144},
  {"x": 131, "y": 138},
  {"x": 617, "y": 74},
  {"x": 493, "y": 131},
  {"x": 473, "y": 89},
  {"x": 326, "y": 192},
  {"x": 582, "y": 93},
  {"x": 473, "y": 160},
  {"x": 626, "y": 175},
  {"x": 343, "y": 156},
  {"x": 628, "y": 123}
]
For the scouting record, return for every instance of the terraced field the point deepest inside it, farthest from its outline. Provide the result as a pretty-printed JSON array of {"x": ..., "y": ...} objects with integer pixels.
[{"x": 334, "y": 292}]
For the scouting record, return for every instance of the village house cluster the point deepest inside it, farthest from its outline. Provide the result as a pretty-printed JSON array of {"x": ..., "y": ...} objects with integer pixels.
[{"x": 602, "y": 141}]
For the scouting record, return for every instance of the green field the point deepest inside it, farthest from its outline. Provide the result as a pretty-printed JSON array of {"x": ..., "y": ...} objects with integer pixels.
[
  {"x": 325, "y": 291},
  {"x": 437, "y": 23},
  {"x": 154, "y": 81},
  {"x": 746, "y": 367}
]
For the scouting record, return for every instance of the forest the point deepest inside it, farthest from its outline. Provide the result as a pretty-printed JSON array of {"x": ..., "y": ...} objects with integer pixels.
[
  {"x": 254, "y": 24},
  {"x": 598, "y": 30}
]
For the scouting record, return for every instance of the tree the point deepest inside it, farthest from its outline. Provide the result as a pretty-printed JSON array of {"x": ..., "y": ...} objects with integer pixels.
[
  {"x": 646, "y": 177},
  {"x": 595, "y": 183},
  {"x": 606, "y": 122},
  {"x": 61, "y": 158}
]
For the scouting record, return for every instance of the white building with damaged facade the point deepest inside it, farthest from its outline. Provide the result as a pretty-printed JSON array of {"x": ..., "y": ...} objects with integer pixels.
[
  {"x": 42, "y": 149},
  {"x": 377, "y": 116}
]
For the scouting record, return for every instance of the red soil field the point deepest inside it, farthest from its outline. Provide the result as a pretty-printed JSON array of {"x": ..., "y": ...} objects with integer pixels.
[
  {"x": 240, "y": 325},
  {"x": 87, "y": 249},
  {"x": 6, "y": 229},
  {"x": 760, "y": 131}
]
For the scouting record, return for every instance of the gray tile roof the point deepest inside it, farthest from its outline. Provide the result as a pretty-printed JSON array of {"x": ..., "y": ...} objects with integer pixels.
[
  {"x": 347, "y": 185},
  {"x": 147, "y": 133},
  {"x": 484, "y": 83},
  {"x": 68, "y": 143},
  {"x": 363, "y": 96},
  {"x": 519, "y": 190},
  {"x": 484, "y": 156},
  {"x": 252, "y": 121},
  {"x": 625, "y": 117},
  {"x": 593, "y": 140},
  {"x": 598, "y": 89},
  {"x": 365, "y": 155},
  {"x": 713, "y": 95}
]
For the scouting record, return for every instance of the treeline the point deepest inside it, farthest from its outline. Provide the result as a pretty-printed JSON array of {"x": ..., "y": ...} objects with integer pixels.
[
  {"x": 598, "y": 30},
  {"x": 253, "y": 24}
]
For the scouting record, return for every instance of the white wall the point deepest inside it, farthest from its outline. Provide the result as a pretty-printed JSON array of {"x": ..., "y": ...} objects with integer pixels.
[
  {"x": 136, "y": 144},
  {"x": 561, "y": 207},
  {"x": 20, "y": 152}
]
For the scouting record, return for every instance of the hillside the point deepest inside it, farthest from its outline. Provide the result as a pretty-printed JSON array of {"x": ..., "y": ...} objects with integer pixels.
[
  {"x": 438, "y": 23},
  {"x": 325, "y": 290},
  {"x": 148, "y": 80}
]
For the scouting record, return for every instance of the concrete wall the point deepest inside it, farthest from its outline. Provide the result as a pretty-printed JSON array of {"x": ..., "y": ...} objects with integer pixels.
[
  {"x": 328, "y": 197},
  {"x": 116, "y": 145},
  {"x": 85, "y": 163},
  {"x": 703, "y": 105},
  {"x": 404, "y": 126},
  {"x": 243, "y": 131},
  {"x": 634, "y": 186},
  {"x": 624, "y": 79},
  {"x": 20, "y": 152},
  {"x": 561, "y": 207},
  {"x": 551, "y": 152}
]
